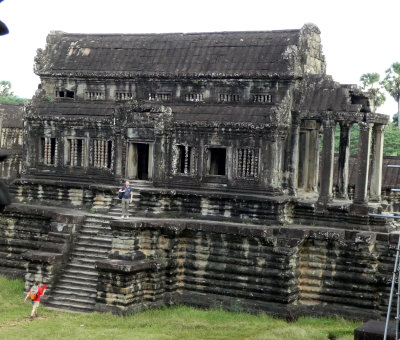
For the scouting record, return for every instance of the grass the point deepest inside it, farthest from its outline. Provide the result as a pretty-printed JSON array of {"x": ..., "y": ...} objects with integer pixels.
[{"x": 169, "y": 323}]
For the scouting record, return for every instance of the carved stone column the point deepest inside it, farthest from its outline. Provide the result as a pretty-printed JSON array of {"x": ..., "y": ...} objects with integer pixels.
[
  {"x": 377, "y": 157},
  {"x": 343, "y": 160},
  {"x": 327, "y": 159},
  {"x": 294, "y": 157},
  {"x": 364, "y": 146},
  {"x": 313, "y": 168},
  {"x": 304, "y": 156}
]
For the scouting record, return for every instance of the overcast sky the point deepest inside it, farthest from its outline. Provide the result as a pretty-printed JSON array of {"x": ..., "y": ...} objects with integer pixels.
[{"x": 357, "y": 36}]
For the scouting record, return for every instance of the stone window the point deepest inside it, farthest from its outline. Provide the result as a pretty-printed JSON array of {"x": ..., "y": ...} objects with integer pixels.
[
  {"x": 65, "y": 94},
  {"x": 193, "y": 97},
  {"x": 228, "y": 98},
  {"x": 123, "y": 96},
  {"x": 247, "y": 162},
  {"x": 216, "y": 161},
  {"x": 102, "y": 153},
  {"x": 48, "y": 150},
  {"x": 75, "y": 152},
  {"x": 184, "y": 161},
  {"x": 160, "y": 97},
  {"x": 262, "y": 98},
  {"x": 95, "y": 95}
]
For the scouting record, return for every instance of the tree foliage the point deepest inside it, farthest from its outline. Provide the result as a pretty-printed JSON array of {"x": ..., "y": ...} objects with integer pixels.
[
  {"x": 391, "y": 84},
  {"x": 6, "y": 95},
  {"x": 370, "y": 83},
  {"x": 391, "y": 146}
]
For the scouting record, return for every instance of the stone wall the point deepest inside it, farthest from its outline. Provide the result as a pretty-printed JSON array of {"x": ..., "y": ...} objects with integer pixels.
[
  {"x": 283, "y": 271},
  {"x": 65, "y": 194},
  {"x": 35, "y": 242}
]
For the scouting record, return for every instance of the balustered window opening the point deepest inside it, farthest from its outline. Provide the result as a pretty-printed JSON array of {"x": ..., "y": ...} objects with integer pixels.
[
  {"x": 48, "y": 150},
  {"x": 193, "y": 97},
  {"x": 262, "y": 98},
  {"x": 75, "y": 153},
  {"x": 160, "y": 97},
  {"x": 247, "y": 163},
  {"x": 184, "y": 160},
  {"x": 123, "y": 96},
  {"x": 94, "y": 95},
  {"x": 228, "y": 98},
  {"x": 102, "y": 153}
]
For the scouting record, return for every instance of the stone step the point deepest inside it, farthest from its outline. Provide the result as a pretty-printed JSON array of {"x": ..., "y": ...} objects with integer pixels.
[
  {"x": 71, "y": 304},
  {"x": 85, "y": 245},
  {"x": 78, "y": 255},
  {"x": 92, "y": 251},
  {"x": 97, "y": 219},
  {"x": 70, "y": 308},
  {"x": 79, "y": 277},
  {"x": 75, "y": 288},
  {"x": 79, "y": 271},
  {"x": 93, "y": 226},
  {"x": 78, "y": 282},
  {"x": 82, "y": 267},
  {"x": 94, "y": 232},
  {"x": 84, "y": 295},
  {"x": 84, "y": 261},
  {"x": 82, "y": 298},
  {"x": 95, "y": 240}
]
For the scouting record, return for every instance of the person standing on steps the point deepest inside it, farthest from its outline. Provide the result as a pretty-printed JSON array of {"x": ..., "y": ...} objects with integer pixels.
[
  {"x": 35, "y": 293},
  {"x": 127, "y": 195}
]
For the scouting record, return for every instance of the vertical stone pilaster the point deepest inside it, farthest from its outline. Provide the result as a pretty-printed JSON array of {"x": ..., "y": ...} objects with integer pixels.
[
  {"x": 377, "y": 157},
  {"x": 313, "y": 167},
  {"x": 294, "y": 156},
  {"x": 343, "y": 160},
  {"x": 327, "y": 160},
  {"x": 118, "y": 145},
  {"x": 360, "y": 194}
]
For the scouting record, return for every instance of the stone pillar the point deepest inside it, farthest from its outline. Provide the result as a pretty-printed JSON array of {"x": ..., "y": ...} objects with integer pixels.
[
  {"x": 313, "y": 167},
  {"x": 377, "y": 157},
  {"x": 118, "y": 155},
  {"x": 343, "y": 160},
  {"x": 294, "y": 157},
  {"x": 304, "y": 156},
  {"x": 364, "y": 146},
  {"x": 327, "y": 160}
]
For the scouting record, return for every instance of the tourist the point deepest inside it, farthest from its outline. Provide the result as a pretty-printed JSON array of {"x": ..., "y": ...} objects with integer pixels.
[
  {"x": 35, "y": 293},
  {"x": 127, "y": 194}
]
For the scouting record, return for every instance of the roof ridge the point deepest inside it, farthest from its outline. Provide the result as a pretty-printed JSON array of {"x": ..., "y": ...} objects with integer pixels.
[{"x": 172, "y": 33}]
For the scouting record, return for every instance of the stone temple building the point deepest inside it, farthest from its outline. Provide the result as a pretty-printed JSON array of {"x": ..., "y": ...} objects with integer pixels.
[
  {"x": 11, "y": 133},
  {"x": 228, "y": 139}
]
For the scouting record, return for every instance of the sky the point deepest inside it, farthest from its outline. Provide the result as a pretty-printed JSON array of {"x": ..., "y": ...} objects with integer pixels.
[{"x": 358, "y": 36}]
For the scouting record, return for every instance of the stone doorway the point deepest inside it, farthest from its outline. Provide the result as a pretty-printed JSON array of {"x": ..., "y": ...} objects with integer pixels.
[{"x": 140, "y": 161}]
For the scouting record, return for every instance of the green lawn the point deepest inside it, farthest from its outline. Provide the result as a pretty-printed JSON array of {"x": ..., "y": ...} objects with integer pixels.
[{"x": 169, "y": 323}]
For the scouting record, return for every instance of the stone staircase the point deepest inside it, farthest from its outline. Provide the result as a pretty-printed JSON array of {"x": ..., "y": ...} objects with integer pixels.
[
  {"x": 77, "y": 288},
  {"x": 116, "y": 210}
]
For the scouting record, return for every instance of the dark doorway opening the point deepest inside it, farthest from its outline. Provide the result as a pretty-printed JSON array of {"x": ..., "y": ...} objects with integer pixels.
[
  {"x": 139, "y": 167},
  {"x": 217, "y": 161}
]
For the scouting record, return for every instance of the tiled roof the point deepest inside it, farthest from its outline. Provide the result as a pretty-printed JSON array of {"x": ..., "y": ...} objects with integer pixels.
[
  {"x": 75, "y": 108},
  {"x": 224, "y": 113},
  {"x": 239, "y": 53}
]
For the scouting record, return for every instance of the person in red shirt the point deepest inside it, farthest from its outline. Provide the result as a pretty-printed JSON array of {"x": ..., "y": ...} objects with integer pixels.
[{"x": 35, "y": 293}]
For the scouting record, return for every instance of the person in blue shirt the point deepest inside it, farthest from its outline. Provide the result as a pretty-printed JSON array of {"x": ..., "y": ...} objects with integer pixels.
[{"x": 126, "y": 199}]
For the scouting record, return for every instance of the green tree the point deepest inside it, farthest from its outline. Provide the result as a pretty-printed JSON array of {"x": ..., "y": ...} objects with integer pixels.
[
  {"x": 391, "y": 146},
  {"x": 6, "y": 95},
  {"x": 391, "y": 83},
  {"x": 370, "y": 83},
  {"x": 5, "y": 88}
]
